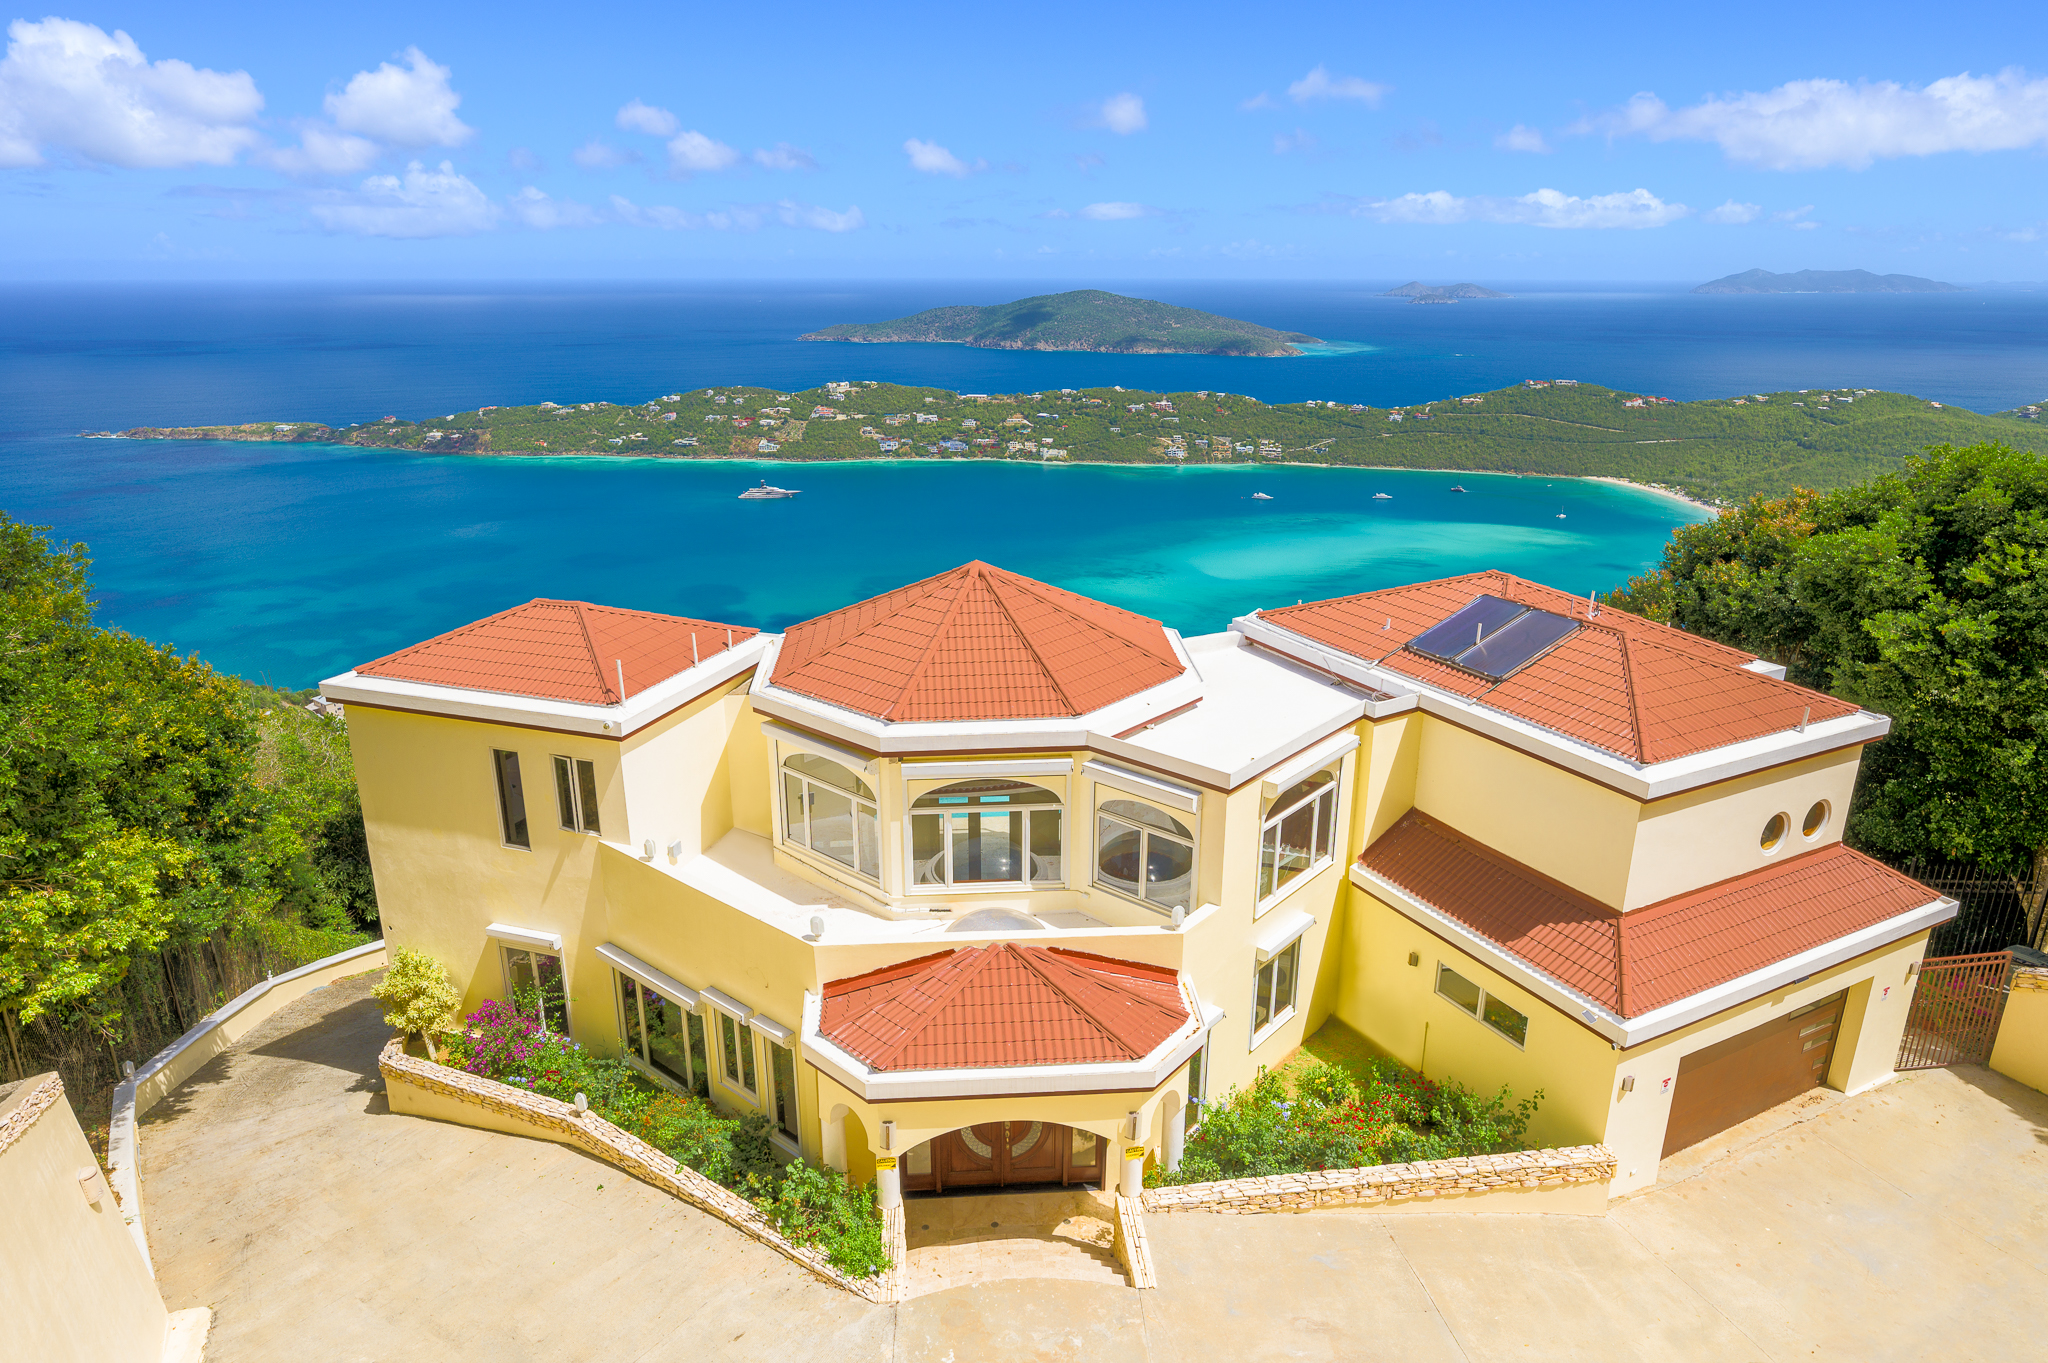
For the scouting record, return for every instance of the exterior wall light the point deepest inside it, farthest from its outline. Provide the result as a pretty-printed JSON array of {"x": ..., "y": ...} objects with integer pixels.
[
  {"x": 1415, "y": 958},
  {"x": 89, "y": 1184},
  {"x": 1628, "y": 1083},
  {"x": 888, "y": 1135}
]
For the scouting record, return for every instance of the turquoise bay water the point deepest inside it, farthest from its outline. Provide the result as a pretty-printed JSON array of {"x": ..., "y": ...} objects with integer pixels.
[{"x": 292, "y": 563}]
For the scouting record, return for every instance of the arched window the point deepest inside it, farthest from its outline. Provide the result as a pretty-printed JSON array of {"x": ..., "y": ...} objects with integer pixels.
[
  {"x": 985, "y": 832},
  {"x": 1144, "y": 852},
  {"x": 830, "y": 810},
  {"x": 1300, "y": 831}
]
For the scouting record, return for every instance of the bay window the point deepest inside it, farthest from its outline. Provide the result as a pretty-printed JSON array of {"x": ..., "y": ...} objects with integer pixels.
[
  {"x": 986, "y": 832},
  {"x": 1144, "y": 852},
  {"x": 831, "y": 811},
  {"x": 1300, "y": 832}
]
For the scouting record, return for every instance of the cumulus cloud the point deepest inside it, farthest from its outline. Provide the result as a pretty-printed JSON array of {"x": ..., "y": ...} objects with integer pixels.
[
  {"x": 1732, "y": 213},
  {"x": 933, "y": 159},
  {"x": 737, "y": 217},
  {"x": 1807, "y": 124},
  {"x": 794, "y": 214},
  {"x": 691, "y": 153},
  {"x": 72, "y": 87},
  {"x": 1320, "y": 84},
  {"x": 1124, "y": 113},
  {"x": 598, "y": 154},
  {"x": 421, "y": 203},
  {"x": 406, "y": 106},
  {"x": 322, "y": 151},
  {"x": 782, "y": 156},
  {"x": 1544, "y": 208},
  {"x": 637, "y": 117},
  {"x": 535, "y": 208},
  {"x": 1521, "y": 137},
  {"x": 1117, "y": 212}
]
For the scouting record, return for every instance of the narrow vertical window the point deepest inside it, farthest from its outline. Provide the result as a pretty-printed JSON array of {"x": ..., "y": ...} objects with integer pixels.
[
  {"x": 728, "y": 1032},
  {"x": 783, "y": 1068},
  {"x": 576, "y": 793},
  {"x": 511, "y": 798},
  {"x": 747, "y": 1079}
]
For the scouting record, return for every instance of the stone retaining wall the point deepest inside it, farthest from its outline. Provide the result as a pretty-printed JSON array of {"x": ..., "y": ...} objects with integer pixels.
[
  {"x": 1130, "y": 1243},
  {"x": 502, "y": 1107},
  {"x": 1581, "y": 1166}
]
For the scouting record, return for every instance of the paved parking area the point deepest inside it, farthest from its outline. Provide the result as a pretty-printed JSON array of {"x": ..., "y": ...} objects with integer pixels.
[{"x": 1907, "y": 1223}]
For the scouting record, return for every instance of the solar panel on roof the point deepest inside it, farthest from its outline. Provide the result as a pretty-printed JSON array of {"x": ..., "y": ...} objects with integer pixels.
[{"x": 1493, "y": 636}]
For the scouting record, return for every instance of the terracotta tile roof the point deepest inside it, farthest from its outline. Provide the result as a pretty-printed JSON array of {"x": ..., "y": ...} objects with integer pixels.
[
  {"x": 1626, "y": 685},
  {"x": 561, "y": 650},
  {"x": 1635, "y": 962},
  {"x": 975, "y": 643},
  {"x": 1002, "y": 1005}
]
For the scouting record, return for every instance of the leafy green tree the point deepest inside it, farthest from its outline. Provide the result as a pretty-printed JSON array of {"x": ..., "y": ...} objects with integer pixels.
[
  {"x": 417, "y": 995},
  {"x": 1921, "y": 595}
]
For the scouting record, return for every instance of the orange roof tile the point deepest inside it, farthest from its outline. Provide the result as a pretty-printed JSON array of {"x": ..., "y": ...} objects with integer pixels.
[
  {"x": 1634, "y": 962},
  {"x": 1003, "y": 1005},
  {"x": 561, "y": 650},
  {"x": 975, "y": 643},
  {"x": 1624, "y": 684}
]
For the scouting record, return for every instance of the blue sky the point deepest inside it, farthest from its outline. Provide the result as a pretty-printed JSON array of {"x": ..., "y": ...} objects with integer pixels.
[{"x": 1064, "y": 142}]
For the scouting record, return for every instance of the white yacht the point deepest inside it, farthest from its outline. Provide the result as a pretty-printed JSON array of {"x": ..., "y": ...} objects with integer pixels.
[{"x": 766, "y": 493}]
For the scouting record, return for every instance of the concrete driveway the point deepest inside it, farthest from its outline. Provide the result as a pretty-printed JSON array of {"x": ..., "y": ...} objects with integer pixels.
[{"x": 1903, "y": 1224}]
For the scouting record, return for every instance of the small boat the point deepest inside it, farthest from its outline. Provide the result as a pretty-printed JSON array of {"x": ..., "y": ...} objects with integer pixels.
[
  {"x": 1261, "y": 497},
  {"x": 766, "y": 493},
  {"x": 1560, "y": 515},
  {"x": 1383, "y": 496},
  {"x": 1457, "y": 487}
]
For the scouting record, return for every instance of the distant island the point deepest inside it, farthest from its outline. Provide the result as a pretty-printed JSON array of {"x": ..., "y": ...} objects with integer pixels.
[
  {"x": 1716, "y": 449},
  {"x": 1086, "y": 319},
  {"x": 1415, "y": 291},
  {"x": 1826, "y": 281}
]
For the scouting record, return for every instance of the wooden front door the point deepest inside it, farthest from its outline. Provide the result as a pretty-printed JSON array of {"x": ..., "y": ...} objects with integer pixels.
[
  {"x": 999, "y": 1154},
  {"x": 1733, "y": 1080}
]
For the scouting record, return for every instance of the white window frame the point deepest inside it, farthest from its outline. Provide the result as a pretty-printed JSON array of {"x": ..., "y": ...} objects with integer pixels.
[
  {"x": 1269, "y": 826},
  {"x": 507, "y": 950},
  {"x": 912, "y": 813},
  {"x": 871, "y": 802},
  {"x": 1485, "y": 995},
  {"x": 729, "y": 1052},
  {"x": 1280, "y": 1016},
  {"x": 641, "y": 1062},
  {"x": 570, "y": 798},
  {"x": 1105, "y": 793},
  {"x": 1198, "y": 1077},
  {"x": 792, "y": 1139}
]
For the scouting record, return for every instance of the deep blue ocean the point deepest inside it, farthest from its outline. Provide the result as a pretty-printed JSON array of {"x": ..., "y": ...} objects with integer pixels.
[{"x": 292, "y": 563}]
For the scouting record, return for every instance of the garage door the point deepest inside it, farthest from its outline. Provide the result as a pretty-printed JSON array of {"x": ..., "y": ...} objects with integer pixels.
[{"x": 1733, "y": 1080}]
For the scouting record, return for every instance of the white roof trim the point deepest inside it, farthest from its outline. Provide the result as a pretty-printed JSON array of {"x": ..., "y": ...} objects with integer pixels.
[
  {"x": 818, "y": 747},
  {"x": 626, "y": 963},
  {"x": 771, "y": 1029},
  {"x": 1183, "y": 798},
  {"x": 1279, "y": 930},
  {"x": 497, "y": 707},
  {"x": 526, "y": 937},
  {"x": 1626, "y": 1032},
  {"x": 1315, "y": 759},
  {"x": 992, "y": 1081},
  {"x": 1768, "y": 669},
  {"x": 1024, "y": 766},
  {"x": 726, "y": 1003}
]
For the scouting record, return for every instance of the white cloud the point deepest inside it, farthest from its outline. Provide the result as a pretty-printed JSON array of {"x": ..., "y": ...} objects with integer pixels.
[
  {"x": 408, "y": 106},
  {"x": 933, "y": 159},
  {"x": 1522, "y": 137},
  {"x": 322, "y": 151},
  {"x": 1298, "y": 140},
  {"x": 1793, "y": 218},
  {"x": 1732, "y": 213},
  {"x": 72, "y": 87},
  {"x": 1261, "y": 100},
  {"x": 1544, "y": 208},
  {"x": 535, "y": 208},
  {"x": 737, "y": 217},
  {"x": 1117, "y": 212},
  {"x": 597, "y": 154},
  {"x": 636, "y": 117},
  {"x": 1124, "y": 113},
  {"x": 782, "y": 156},
  {"x": 692, "y": 152},
  {"x": 1807, "y": 124},
  {"x": 822, "y": 219},
  {"x": 422, "y": 203},
  {"x": 1320, "y": 84}
]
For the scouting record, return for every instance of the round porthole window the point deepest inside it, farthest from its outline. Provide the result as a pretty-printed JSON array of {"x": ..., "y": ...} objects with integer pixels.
[
  {"x": 1774, "y": 832},
  {"x": 1816, "y": 819}
]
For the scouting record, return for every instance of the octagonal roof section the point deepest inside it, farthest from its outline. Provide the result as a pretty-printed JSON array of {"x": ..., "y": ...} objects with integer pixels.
[
  {"x": 976, "y": 643},
  {"x": 562, "y": 651}
]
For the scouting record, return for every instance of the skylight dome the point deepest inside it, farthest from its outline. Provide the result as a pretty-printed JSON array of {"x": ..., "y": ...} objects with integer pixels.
[{"x": 1493, "y": 636}]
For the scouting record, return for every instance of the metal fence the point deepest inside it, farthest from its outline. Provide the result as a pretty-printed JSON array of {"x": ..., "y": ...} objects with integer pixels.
[
  {"x": 1997, "y": 911},
  {"x": 1957, "y": 1004}
]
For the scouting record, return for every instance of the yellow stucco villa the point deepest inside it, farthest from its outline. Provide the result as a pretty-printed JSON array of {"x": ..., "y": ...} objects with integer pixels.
[{"x": 983, "y": 883}]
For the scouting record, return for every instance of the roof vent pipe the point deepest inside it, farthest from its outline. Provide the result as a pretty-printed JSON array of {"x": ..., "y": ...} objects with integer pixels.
[
  {"x": 693, "y": 648},
  {"x": 620, "y": 663},
  {"x": 1805, "y": 715}
]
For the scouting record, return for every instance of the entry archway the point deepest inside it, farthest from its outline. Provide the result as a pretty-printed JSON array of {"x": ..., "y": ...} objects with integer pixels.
[{"x": 1006, "y": 1154}]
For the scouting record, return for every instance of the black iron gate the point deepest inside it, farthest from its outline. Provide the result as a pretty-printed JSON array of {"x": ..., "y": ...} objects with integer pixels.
[{"x": 1957, "y": 1003}]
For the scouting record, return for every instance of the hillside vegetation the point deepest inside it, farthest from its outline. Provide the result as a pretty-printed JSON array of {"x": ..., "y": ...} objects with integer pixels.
[
  {"x": 1085, "y": 319},
  {"x": 1720, "y": 450}
]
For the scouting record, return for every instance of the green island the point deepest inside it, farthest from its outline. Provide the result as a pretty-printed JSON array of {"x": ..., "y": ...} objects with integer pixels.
[
  {"x": 1717, "y": 450},
  {"x": 1085, "y": 319}
]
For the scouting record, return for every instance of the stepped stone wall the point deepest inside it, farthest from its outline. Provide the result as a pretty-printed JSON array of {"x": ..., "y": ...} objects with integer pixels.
[{"x": 1477, "y": 1175}]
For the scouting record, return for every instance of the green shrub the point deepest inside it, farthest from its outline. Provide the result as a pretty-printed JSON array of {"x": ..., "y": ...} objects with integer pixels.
[
  {"x": 417, "y": 995},
  {"x": 819, "y": 1207}
]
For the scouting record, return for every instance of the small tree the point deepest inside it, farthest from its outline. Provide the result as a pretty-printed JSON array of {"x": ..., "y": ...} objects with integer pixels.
[{"x": 417, "y": 996}]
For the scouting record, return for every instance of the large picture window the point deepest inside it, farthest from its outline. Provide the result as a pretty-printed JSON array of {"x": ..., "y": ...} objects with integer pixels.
[
  {"x": 576, "y": 794},
  {"x": 1144, "y": 852},
  {"x": 534, "y": 983},
  {"x": 662, "y": 1035},
  {"x": 830, "y": 810},
  {"x": 511, "y": 798},
  {"x": 987, "y": 832},
  {"x": 1300, "y": 832},
  {"x": 1273, "y": 990}
]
